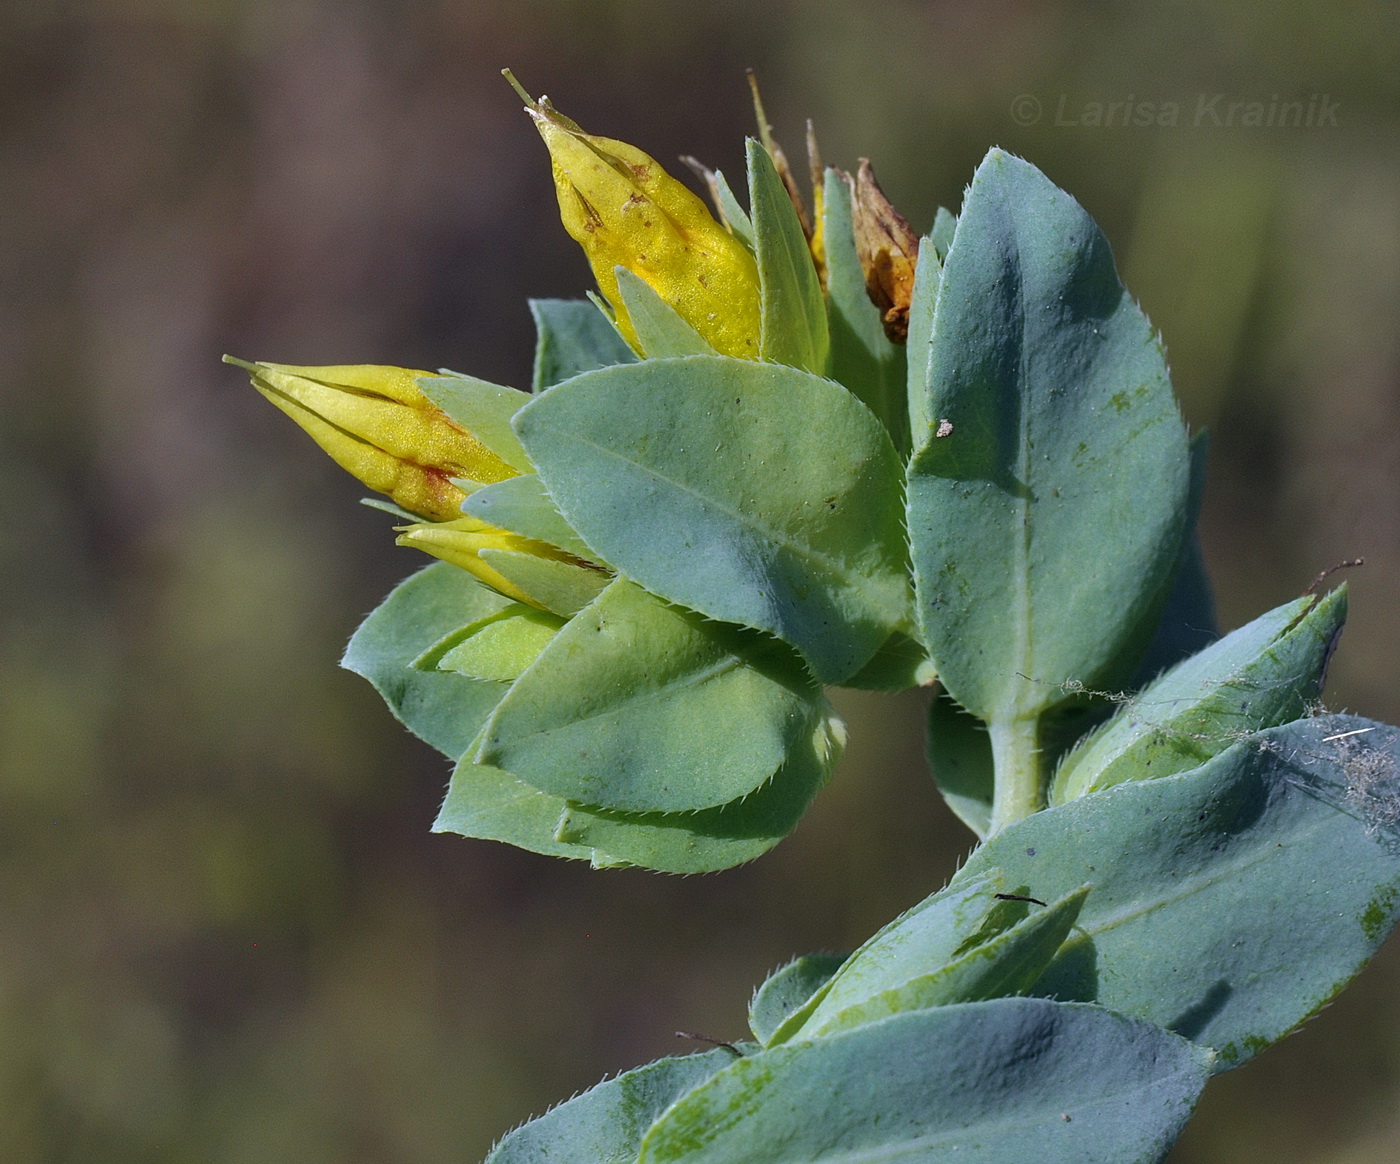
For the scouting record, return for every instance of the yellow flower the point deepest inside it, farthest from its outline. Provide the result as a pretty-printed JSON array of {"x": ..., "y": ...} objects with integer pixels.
[
  {"x": 375, "y": 424},
  {"x": 626, "y": 211},
  {"x": 461, "y": 541}
]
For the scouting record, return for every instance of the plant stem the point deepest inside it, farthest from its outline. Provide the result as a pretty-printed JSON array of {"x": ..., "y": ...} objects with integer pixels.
[{"x": 1019, "y": 777}]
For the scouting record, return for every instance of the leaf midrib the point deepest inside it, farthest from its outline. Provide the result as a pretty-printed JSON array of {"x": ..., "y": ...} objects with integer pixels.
[{"x": 848, "y": 577}]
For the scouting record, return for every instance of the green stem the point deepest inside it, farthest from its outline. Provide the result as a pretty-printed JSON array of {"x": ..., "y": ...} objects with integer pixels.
[{"x": 1020, "y": 779}]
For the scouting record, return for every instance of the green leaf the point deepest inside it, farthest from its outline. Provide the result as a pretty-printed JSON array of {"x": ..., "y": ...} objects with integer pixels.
[
  {"x": 561, "y": 587},
  {"x": 862, "y": 356},
  {"x": 573, "y": 337},
  {"x": 787, "y": 989},
  {"x": 487, "y": 803},
  {"x": 639, "y": 706},
  {"x": 660, "y": 330},
  {"x": 483, "y": 409},
  {"x": 500, "y": 646},
  {"x": 945, "y": 223},
  {"x": 793, "y": 311},
  {"x": 1011, "y": 1080},
  {"x": 445, "y": 710},
  {"x": 1036, "y": 547},
  {"x": 752, "y": 493},
  {"x": 605, "y": 1124},
  {"x": 523, "y": 505},
  {"x": 490, "y": 805},
  {"x": 960, "y": 757},
  {"x": 735, "y": 216},
  {"x": 1008, "y": 963},
  {"x": 717, "y": 838},
  {"x": 923, "y": 936},
  {"x": 1232, "y": 901},
  {"x": 928, "y": 273},
  {"x": 1264, "y": 674}
]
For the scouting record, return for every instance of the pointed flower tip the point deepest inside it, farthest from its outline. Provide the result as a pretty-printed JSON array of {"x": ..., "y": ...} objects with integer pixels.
[
  {"x": 530, "y": 102},
  {"x": 373, "y": 421},
  {"x": 625, "y": 210}
]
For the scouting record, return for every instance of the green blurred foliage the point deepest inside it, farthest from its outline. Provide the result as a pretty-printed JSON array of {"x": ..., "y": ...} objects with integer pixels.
[{"x": 226, "y": 933}]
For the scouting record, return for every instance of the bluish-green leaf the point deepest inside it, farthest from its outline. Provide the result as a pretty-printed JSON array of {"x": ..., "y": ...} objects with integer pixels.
[
  {"x": 523, "y": 505},
  {"x": 1264, "y": 674},
  {"x": 660, "y": 330},
  {"x": 733, "y": 212},
  {"x": 483, "y": 409},
  {"x": 945, "y": 223},
  {"x": 752, "y": 493},
  {"x": 793, "y": 327},
  {"x": 639, "y": 706},
  {"x": 862, "y": 356},
  {"x": 923, "y": 937},
  {"x": 960, "y": 757},
  {"x": 487, "y": 803},
  {"x": 442, "y": 709},
  {"x": 1008, "y": 963},
  {"x": 1232, "y": 901},
  {"x": 1000, "y": 1082},
  {"x": 573, "y": 336},
  {"x": 1037, "y": 544},
  {"x": 717, "y": 838},
  {"x": 787, "y": 989},
  {"x": 606, "y": 1123},
  {"x": 928, "y": 272}
]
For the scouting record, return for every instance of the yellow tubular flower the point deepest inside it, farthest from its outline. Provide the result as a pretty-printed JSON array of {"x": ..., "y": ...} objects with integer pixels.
[
  {"x": 625, "y": 210},
  {"x": 376, "y": 425},
  {"x": 460, "y": 542}
]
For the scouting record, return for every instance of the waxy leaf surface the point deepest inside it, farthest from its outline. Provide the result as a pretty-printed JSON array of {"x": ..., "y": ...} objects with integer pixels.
[
  {"x": 787, "y": 989},
  {"x": 441, "y": 708},
  {"x": 573, "y": 336},
  {"x": 638, "y": 706},
  {"x": 793, "y": 310},
  {"x": 862, "y": 356},
  {"x": 606, "y": 1123},
  {"x": 751, "y": 493},
  {"x": 1011, "y": 1080},
  {"x": 1265, "y": 674},
  {"x": 1045, "y": 521},
  {"x": 485, "y": 802},
  {"x": 1229, "y": 902}
]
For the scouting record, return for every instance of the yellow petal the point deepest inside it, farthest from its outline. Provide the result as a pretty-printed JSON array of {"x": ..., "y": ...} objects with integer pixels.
[
  {"x": 374, "y": 423},
  {"x": 461, "y": 541},
  {"x": 625, "y": 210}
]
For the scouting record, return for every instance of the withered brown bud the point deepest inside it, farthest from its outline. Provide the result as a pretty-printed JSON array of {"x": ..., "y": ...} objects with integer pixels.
[{"x": 888, "y": 250}]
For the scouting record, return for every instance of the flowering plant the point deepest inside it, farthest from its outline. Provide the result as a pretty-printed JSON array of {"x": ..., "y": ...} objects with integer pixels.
[{"x": 790, "y": 448}]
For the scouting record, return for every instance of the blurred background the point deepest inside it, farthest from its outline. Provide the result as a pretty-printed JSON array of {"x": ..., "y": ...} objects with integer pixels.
[{"x": 226, "y": 933}]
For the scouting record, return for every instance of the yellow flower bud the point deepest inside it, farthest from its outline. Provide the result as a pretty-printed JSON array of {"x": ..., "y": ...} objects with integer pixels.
[
  {"x": 626, "y": 211},
  {"x": 375, "y": 424},
  {"x": 461, "y": 541}
]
